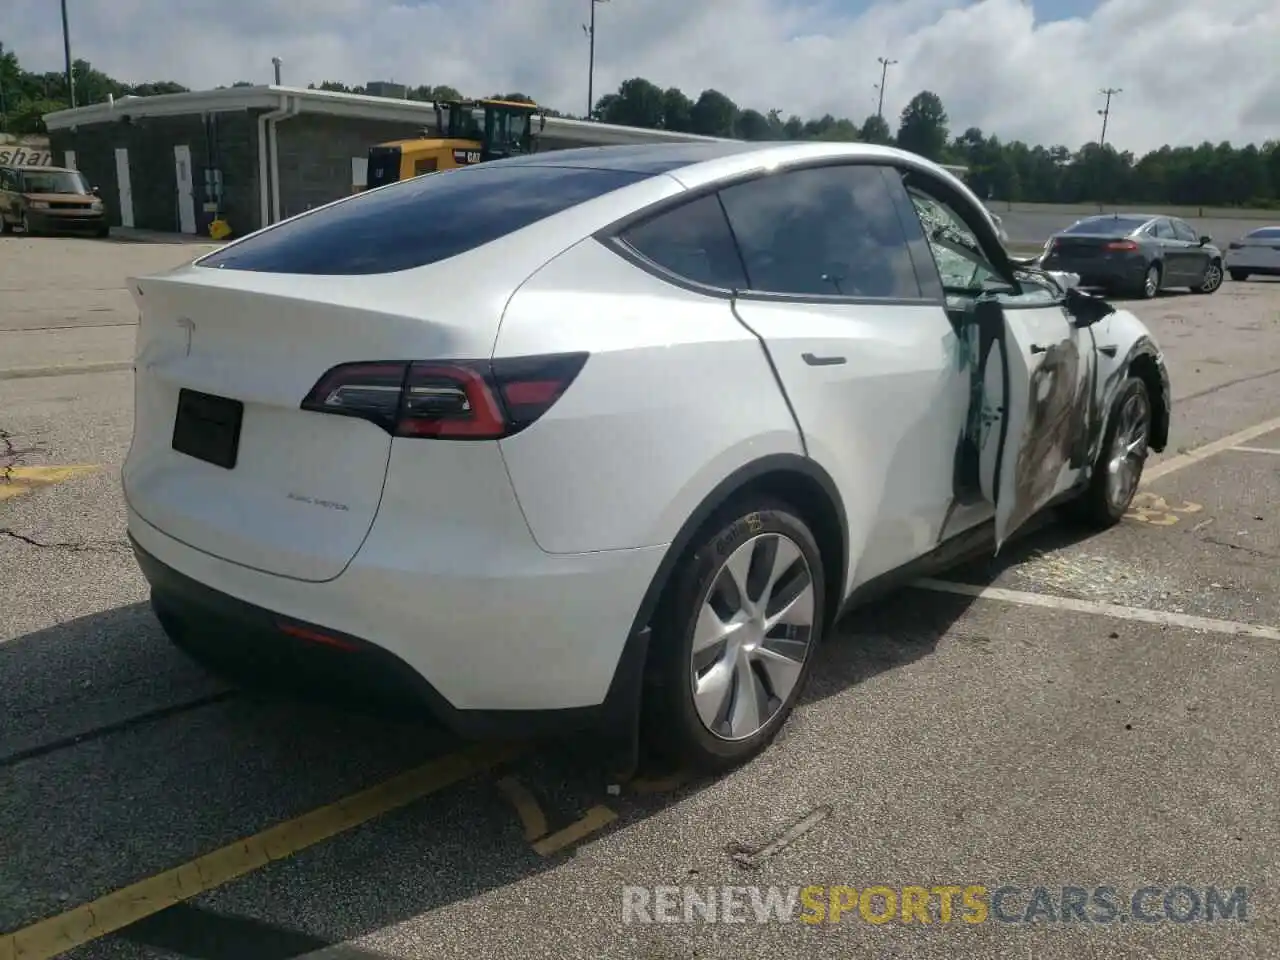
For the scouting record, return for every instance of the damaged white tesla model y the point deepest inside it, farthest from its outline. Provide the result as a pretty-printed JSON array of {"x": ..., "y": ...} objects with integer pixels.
[{"x": 590, "y": 435}]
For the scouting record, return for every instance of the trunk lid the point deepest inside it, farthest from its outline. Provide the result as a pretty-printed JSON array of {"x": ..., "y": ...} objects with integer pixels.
[
  {"x": 304, "y": 487},
  {"x": 1083, "y": 247}
]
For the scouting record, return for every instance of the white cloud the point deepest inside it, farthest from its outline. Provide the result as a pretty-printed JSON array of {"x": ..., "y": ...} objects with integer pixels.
[{"x": 1190, "y": 70}]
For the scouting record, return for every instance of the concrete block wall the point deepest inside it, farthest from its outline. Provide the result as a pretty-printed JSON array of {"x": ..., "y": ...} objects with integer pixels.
[
  {"x": 316, "y": 151},
  {"x": 152, "y": 173}
]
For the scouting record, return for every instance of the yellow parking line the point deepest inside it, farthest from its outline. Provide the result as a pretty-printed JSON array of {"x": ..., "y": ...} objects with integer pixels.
[
  {"x": 20, "y": 480},
  {"x": 597, "y": 818},
  {"x": 659, "y": 784},
  {"x": 56, "y": 935},
  {"x": 527, "y": 807}
]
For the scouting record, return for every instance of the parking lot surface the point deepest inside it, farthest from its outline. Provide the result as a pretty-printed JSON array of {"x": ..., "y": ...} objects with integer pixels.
[{"x": 1078, "y": 712}]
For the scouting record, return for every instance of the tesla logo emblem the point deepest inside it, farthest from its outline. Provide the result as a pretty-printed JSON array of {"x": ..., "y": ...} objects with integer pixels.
[{"x": 187, "y": 325}]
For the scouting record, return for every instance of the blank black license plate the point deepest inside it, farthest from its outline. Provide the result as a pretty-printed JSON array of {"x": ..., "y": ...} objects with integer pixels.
[{"x": 207, "y": 427}]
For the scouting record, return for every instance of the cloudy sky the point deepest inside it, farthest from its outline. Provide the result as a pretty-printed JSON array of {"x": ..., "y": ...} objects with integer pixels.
[{"x": 1190, "y": 70}]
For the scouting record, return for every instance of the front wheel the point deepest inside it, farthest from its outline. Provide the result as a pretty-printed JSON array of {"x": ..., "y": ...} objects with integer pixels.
[
  {"x": 734, "y": 636},
  {"x": 1118, "y": 469},
  {"x": 1212, "y": 279}
]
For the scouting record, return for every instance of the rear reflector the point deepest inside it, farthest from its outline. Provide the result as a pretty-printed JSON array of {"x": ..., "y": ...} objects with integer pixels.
[
  {"x": 1122, "y": 245},
  {"x": 313, "y": 636},
  {"x": 447, "y": 399}
]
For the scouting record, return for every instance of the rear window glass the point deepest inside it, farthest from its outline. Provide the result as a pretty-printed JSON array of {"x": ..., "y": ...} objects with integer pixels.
[
  {"x": 419, "y": 221},
  {"x": 1109, "y": 226},
  {"x": 1266, "y": 233},
  {"x": 694, "y": 242}
]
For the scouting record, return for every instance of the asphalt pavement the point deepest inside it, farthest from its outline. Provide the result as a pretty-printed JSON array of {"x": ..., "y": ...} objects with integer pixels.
[{"x": 1085, "y": 712}]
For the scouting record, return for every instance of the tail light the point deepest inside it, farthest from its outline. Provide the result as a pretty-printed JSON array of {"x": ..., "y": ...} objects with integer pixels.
[
  {"x": 447, "y": 399},
  {"x": 1122, "y": 245}
]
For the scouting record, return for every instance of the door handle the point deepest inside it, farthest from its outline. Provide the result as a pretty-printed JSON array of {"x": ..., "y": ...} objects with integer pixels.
[
  {"x": 1036, "y": 348},
  {"x": 814, "y": 360}
]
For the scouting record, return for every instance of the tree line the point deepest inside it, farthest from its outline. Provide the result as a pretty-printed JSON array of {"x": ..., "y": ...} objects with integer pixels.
[{"x": 1209, "y": 175}]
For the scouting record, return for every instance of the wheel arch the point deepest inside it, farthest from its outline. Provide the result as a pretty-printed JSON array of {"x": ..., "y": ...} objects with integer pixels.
[
  {"x": 796, "y": 480},
  {"x": 1144, "y": 363}
]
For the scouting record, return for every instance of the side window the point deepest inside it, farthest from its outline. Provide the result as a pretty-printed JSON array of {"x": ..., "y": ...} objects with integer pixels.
[
  {"x": 1164, "y": 231},
  {"x": 693, "y": 242},
  {"x": 827, "y": 231},
  {"x": 1184, "y": 232},
  {"x": 955, "y": 249}
]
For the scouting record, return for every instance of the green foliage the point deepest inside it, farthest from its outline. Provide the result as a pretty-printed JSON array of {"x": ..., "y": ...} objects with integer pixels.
[
  {"x": 1207, "y": 175},
  {"x": 29, "y": 96}
]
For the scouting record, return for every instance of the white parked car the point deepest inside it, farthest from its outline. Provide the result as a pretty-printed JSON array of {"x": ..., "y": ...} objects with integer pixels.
[
  {"x": 1256, "y": 254},
  {"x": 537, "y": 438}
]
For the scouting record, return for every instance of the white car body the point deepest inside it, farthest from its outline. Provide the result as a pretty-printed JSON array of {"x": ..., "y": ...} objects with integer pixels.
[
  {"x": 511, "y": 575},
  {"x": 1257, "y": 253}
]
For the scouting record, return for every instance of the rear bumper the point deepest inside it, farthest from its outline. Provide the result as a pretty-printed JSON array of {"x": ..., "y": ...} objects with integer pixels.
[
  {"x": 1097, "y": 272},
  {"x": 543, "y": 654}
]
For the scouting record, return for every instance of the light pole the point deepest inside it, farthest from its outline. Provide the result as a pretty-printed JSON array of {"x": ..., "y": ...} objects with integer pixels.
[
  {"x": 66, "y": 51},
  {"x": 4, "y": 111},
  {"x": 884, "y": 73},
  {"x": 591, "y": 61},
  {"x": 1105, "y": 112}
]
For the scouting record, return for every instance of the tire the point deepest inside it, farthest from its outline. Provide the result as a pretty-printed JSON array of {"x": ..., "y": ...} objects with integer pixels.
[
  {"x": 1239, "y": 275},
  {"x": 26, "y": 227},
  {"x": 5, "y": 226},
  {"x": 1099, "y": 505},
  {"x": 1212, "y": 278},
  {"x": 1150, "y": 285},
  {"x": 102, "y": 233},
  {"x": 672, "y": 722}
]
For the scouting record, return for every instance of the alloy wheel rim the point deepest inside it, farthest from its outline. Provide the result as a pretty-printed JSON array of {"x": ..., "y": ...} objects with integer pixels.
[
  {"x": 1212, "y": 278},
  {"x": 752, "y": 637},
  {"x": 1128, "y": 450},
  {"x": 1153, "y": 282}
]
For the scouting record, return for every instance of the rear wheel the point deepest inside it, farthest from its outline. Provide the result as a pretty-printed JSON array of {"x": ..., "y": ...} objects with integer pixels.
[
  {"x": 1239, "y": 275},
  {"x": 1150, "y": 282},
  {"x": 5, "y": 225},
  {"x": 1118, "y": 470},
  {"x": 1212, "y": 279},
  {"x": 734, "y": 636}
]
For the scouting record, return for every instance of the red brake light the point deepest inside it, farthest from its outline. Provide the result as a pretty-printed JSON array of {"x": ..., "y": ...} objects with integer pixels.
[
  {"x": 1122, "y": 245},
  {"x": 447, "y": 399}
]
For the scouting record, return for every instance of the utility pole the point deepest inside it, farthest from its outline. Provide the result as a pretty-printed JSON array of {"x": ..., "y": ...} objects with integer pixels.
[
  {"x": 884, "y": 73},
  {"x": 66, "y": 51},
  {"x": 591, "y": 62},
  {"x": 275, "y": 62},
  {"x": 1105, "y": 112}
]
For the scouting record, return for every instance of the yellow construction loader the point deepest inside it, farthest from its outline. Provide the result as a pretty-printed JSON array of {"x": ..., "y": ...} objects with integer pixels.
[{"x": 467, "y": 132}]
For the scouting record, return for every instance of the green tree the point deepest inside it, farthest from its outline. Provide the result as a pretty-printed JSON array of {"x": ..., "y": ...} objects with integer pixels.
[
  {"x": 876, "y": 130},
  {"x": 922, "y": 128},
  {"x": 677, "y": 110},
  {"x": 714, "y": 114}
]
